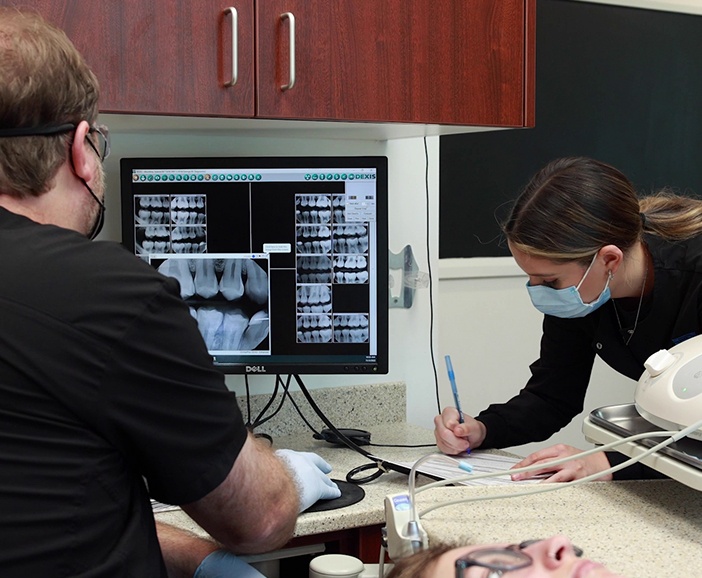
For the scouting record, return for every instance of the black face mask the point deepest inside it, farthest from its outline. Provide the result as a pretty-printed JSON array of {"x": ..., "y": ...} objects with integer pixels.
[{"x": 100, "y": 219}]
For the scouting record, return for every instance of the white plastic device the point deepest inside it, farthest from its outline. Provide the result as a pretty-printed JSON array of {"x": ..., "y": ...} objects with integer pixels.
[
  {"x": 335, "y": 566},
  {"x": 669, "y": 392},
  {"x": 403, "y": 535}
]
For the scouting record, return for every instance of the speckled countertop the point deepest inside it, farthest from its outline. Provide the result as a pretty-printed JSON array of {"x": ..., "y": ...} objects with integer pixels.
[
  {"x": 368, "y": 511},
  {"x": 643, "y": 529},
  {"x": 646, "y": 529},
  {"x": 346, "y": 407}
]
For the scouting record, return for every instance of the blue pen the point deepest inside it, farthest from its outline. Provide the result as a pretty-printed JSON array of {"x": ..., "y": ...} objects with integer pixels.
[{"x": 454, "y": 389}]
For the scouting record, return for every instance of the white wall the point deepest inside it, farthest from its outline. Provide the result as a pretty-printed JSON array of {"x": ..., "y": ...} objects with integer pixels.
[
  {"x": 409, "y": 335},
  {"x": 492, "y": 332},
  {"x": 410, "y": 355},
  {"x": 483, "y": 317}
]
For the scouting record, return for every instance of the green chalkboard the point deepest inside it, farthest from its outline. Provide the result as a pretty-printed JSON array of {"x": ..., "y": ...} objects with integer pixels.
[{"x": 623, "y": 85}]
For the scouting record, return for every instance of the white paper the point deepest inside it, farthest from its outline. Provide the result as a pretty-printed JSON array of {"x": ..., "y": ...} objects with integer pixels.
[
  {"x": 157, "y": 507},
  {"x": 446, "y": 468}
]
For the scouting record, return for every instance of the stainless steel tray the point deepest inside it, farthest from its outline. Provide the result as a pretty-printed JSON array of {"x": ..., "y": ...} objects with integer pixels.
[{"x": 624, "y": 420}]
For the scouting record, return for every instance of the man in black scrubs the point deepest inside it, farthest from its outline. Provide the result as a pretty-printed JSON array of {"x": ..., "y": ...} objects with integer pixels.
[{"x": 107, "y": 393}]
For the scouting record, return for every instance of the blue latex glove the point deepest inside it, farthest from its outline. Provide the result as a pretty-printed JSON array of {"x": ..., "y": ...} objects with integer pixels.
[
  {"x": 310, "y": 471},
  {"x": 223, "y": 564}
]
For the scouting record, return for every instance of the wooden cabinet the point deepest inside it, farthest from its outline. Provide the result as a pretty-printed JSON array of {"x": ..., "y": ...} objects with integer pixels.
[
  {"x": 170, "y": 57},
  {"x": 448, "y": 62},
  {"x": 453, "y": 62}
]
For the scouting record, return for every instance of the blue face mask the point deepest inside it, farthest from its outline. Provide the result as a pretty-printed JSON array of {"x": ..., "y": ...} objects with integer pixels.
[{"x": 567, "y": 302}]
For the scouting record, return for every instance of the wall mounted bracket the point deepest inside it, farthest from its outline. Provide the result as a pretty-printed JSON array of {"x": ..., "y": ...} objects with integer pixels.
[{"x": 405, "y": 262}]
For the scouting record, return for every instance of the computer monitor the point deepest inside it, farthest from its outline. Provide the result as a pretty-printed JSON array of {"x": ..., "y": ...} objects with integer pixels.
[{"x": 282, "y": 260}]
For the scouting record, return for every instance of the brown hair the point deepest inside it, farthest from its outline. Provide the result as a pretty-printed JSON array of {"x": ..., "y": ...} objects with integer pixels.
[
  {"x": 575, "y": 206},
  {"x": 45, "y": 82},
  {"x": 417, "y": 565}
]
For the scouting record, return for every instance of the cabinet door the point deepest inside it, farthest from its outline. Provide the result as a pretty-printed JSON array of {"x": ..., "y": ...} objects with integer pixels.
[
  {"x": 449, "y": 62},
  {"x": 161, "y": 56}
]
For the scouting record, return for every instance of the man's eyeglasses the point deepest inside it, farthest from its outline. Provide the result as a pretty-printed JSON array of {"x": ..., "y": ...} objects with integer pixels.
[
  {"x": 498, "y": 561},
  {"x": 103, "y": 141},
  {"x": 102, "y": 147}
]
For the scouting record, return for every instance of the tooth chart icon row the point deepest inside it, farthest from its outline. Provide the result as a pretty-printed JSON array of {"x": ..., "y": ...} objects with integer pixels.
[
  {"x": 320, "y": 208},
  {"x": 170, "y": 224}
]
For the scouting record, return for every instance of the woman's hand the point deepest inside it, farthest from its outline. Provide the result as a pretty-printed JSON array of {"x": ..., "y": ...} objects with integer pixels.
[
  {"x": 454, "y": 437},
  {"x": 574, "y": 469}
]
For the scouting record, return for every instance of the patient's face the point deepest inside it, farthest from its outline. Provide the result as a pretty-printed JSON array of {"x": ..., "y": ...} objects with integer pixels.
[{"x": 553, "y": 557}]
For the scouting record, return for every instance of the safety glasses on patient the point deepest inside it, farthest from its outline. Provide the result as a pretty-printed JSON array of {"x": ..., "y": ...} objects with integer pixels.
[{"x": 495, "y": 562}]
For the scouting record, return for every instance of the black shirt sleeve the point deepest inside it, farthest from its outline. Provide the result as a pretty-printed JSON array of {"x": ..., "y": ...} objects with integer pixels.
[
  {"x": 555, "y": 392},
  {"x": 190, "y": 429},
  {"x": 637, "y": 471},
  {"x": 162, "y": 403}
]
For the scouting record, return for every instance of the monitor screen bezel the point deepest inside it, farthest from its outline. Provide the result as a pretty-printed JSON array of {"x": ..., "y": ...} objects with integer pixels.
[{"x": 302, "y": 365}]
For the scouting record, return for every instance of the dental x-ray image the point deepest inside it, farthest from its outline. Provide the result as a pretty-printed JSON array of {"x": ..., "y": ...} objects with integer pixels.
[
  {"x": 314, "y": 269},
  {"x": 227, "y": 295},
  {"x": 351, "y": 328},
  {"x": 313, "y": 208},
  {"x": 170, "y": 224}
]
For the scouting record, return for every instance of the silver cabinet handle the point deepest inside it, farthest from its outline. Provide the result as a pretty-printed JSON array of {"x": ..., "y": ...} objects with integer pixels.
[
  {"x": 291, "y": 81},
  {"x": 235, "y": 46}
]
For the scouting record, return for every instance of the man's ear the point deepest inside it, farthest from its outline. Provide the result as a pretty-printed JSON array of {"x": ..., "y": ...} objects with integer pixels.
[{"x": 81, "y": 153}]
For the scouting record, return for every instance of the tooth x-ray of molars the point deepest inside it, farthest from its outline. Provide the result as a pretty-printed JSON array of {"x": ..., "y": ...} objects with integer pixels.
[
  {"x": 314, "y": 269},
  {"x": 351, "y": 328},
  {"x": 228, "y": 296},
  {"x": 313, "y": 239},
  {"x": 170, "y": 224},
  {"x": 314, "y": 298},
  {"x": 342, "y": 328},
  {"x": 313, "y": 208},
  {"x": 314, "y": 328}
]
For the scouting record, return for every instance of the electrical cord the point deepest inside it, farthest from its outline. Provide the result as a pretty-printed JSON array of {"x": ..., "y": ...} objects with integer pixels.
[
  {"x": 320, "y": 436},
  {"x": 672, "y": 436},
  {"x": 248, "y": 401},
  {"x": 286, "y": 393},
  {"x": 378, "y": 464},
  {"x": 260, "y": 419},
  {"x": 299, "y": 411},
  {"x": 268, "y": 403},
  {"x": 431, "y": 277},
  {"x": 264, "y": 436}
]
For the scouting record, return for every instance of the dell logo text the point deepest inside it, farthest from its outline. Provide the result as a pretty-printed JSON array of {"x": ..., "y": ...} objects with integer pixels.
[{"x": 255, "y": 369}]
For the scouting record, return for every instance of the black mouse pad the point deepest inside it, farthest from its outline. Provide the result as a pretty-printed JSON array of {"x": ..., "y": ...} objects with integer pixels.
[{"x": 350, "y": 494}]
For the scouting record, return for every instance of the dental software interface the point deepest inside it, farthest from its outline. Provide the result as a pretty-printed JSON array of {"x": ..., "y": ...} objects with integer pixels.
[{"x": 279, "y": 265}]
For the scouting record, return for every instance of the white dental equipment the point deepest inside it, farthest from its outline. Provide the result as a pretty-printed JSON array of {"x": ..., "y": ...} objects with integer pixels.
[
  {"x": 669, "y": 392},
  {"x": 669, "y": 396}
]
